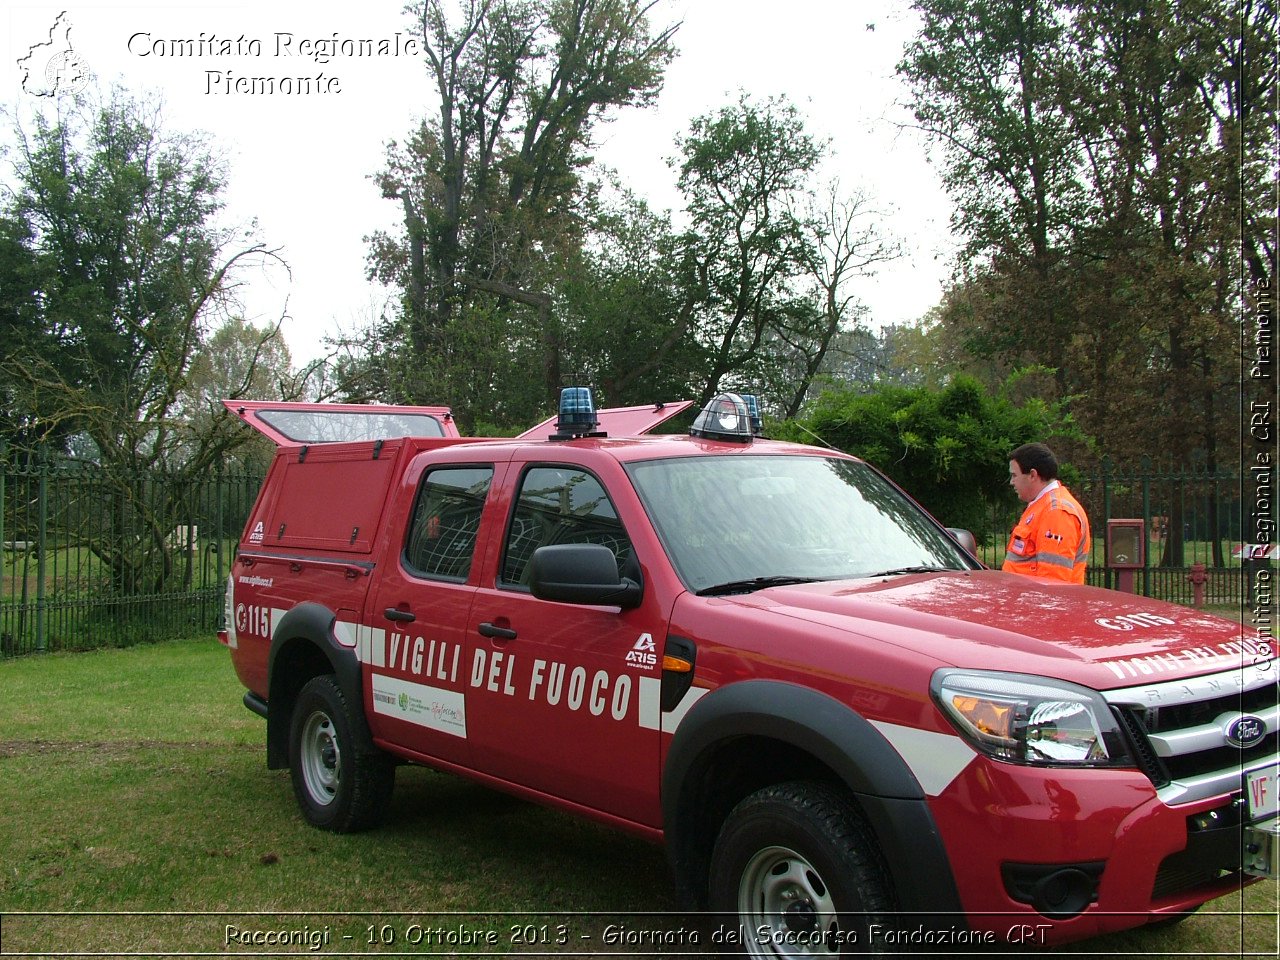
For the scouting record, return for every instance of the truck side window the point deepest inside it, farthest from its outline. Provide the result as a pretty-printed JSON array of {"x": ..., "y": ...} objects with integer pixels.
[
  {"x": 446, "y": 520},
  {"x": 560, "y": 505}
]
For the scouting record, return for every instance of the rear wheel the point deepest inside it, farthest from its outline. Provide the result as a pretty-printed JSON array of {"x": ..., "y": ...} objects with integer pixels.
[
  {"x": 797, "y": 870},
  {"x": 341, "y": 780}
]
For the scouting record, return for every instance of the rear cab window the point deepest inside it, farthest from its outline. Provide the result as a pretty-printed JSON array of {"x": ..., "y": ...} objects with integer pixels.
[{"x": 443, "y": 530}]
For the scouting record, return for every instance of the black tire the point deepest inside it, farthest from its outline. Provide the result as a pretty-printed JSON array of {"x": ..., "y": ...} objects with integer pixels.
[
  {"x": 796, "y": 872},
  {"x": 342, "y": 781}
]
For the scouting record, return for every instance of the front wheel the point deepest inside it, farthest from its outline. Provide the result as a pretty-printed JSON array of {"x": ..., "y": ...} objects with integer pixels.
[
  {"x": 342, "y": 782},
  {"x": 799, "y": 872}
]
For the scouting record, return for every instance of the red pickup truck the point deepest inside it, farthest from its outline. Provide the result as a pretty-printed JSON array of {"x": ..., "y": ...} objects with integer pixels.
[{"x": 764, "y": 656}]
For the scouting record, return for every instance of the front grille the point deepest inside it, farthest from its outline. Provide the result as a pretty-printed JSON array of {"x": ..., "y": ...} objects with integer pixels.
[
  {"x": 1227, "y": 757},
  {"x": 1182, "y": 872},
  {"x": 1179, "y": 716},
  {"x": 1213, "y": 851},
  {"x": 1179, "y": 730}
]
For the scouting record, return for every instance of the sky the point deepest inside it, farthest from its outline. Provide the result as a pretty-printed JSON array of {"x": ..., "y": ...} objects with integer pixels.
[{"x": 300, "y": 165}]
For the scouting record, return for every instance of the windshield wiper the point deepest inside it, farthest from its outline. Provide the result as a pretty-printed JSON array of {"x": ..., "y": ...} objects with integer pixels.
[
  {"x": 753, "y": 583},
  {"x": 921, "y": 568}
]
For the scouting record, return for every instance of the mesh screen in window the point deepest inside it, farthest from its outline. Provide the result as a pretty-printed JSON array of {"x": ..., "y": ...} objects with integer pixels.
[
  {"x": 560, "y": 505},
  {"x": 446, "y": 521}
]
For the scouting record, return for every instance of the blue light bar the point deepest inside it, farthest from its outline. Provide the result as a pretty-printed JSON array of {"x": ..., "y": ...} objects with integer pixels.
[
  {"x": 577, "y": 413},
  {"x": 753, "y": 413}
]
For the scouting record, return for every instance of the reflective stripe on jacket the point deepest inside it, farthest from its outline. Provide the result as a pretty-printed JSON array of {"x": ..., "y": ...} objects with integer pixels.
[{"x": 1051, "y": 540}]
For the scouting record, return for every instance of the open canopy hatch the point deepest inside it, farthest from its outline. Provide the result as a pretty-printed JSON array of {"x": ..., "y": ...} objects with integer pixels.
[
  {"x": 298, "y": 424},
  {"x": 301, "y": 424},
  {"x": 619, "y": 421}
]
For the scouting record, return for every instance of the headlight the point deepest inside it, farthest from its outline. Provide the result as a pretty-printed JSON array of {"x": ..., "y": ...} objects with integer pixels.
[{"x": 1031, "y": 720}]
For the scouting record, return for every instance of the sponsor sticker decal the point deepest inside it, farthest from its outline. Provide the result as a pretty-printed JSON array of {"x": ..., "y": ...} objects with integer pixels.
[{"x": 441, "y": 710}]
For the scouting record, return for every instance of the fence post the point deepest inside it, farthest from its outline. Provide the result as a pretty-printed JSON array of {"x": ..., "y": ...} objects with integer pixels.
[
  {"x": 42, "y": 544},
  {"x": 1106, "y": 515},
  {"x": 4, "y": 476},
  {"x": 220, "y": 499},
  {"x": 13, "y": 642},
  {"x": 1146, "y": 525}
]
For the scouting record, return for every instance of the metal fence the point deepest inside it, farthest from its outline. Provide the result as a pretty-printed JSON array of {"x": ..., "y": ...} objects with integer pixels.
[
  {"x": 91, "y": 558},
  {"x": 1190, "y": 516}
]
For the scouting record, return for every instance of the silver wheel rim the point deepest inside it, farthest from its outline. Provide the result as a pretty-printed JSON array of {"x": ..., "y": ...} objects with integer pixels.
[
  {"x": 787, "y": 907},
  {"x": 321, "y": 758}
]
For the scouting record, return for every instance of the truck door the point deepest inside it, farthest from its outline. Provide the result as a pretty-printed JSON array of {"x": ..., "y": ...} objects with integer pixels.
[
  {"x": 555, "y": 689},
  {"x": 414, "y": 649}
]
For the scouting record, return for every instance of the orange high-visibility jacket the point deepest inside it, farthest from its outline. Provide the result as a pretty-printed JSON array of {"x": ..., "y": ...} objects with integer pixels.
[{"x": 1051, "y": 540}]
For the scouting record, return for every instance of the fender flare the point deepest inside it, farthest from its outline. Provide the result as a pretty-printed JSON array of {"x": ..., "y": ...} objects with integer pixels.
[
  {"x": 842, "y": 740},
  {"x": 310, "y": 623}
]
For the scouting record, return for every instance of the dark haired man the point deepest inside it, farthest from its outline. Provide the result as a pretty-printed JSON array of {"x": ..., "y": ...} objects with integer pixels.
[{"x": 1051, "y": 540}]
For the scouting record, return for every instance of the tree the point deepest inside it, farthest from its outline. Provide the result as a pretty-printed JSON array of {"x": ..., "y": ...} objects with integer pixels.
[
  {"x": 239, "y": 361},
  {"x": 490, "y": 189},
  {"x": 895, "y": 355},
  {"x": 847, "y": 243},
  {"x": 947, "y": 448},
  {"x": 982, "y": 83},
  {"x": 627, "y": 305},
  {"x": 114, "y": 222},
  {"x": 1094, "y": 150},
  {"x": 743, "y": 173},
  {"x": 20, "y": 322},
  {"x": 1169, "y": 135},
  {"x": 770, "y": 256}
]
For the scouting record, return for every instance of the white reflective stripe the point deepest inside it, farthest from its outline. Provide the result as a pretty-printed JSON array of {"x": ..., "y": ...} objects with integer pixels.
[
  {"x": 672, "y": 720},
  {"x": 1055, "y": 559},
  {"x": 651, "y": 715},
  {"x": 371, "y": 645},
  {"x": 346, "y": 632},
  {"x": 276, "y": 614},
  {"x": 935, "y": 758},
  {"x": 229, "y": 613},
  {"x": 651, "y": 703}
]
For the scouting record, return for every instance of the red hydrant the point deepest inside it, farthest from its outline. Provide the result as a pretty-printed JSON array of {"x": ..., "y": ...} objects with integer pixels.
[{"x": 1198, "y": 577}]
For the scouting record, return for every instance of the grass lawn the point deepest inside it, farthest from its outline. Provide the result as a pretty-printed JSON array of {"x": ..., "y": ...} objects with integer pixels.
[{"x": 139, "y": 818}]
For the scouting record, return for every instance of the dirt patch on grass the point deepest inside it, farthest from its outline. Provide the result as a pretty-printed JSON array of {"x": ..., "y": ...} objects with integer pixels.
[{"x": 25, "y": 748}]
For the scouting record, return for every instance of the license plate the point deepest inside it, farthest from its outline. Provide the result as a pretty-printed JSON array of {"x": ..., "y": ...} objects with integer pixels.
[{"x": 1262, "y": 793}]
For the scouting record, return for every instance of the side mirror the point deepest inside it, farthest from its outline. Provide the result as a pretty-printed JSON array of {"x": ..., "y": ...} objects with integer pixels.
[
  {"x": 965, "y": 539},
  {"x": 581, "y": 573}
]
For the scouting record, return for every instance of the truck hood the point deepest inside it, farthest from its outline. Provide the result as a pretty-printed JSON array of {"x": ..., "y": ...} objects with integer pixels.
[{"x": 991, "y": 620}]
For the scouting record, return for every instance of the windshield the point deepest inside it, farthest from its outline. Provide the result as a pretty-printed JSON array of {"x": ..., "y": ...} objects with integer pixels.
[{"x": 743, "y": 522}]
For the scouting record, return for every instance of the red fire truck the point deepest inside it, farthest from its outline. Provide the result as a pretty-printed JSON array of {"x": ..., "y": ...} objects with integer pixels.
[{"x": 764, "y": 656}]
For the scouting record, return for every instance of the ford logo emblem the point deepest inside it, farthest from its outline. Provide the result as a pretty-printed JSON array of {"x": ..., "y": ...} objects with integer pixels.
[{"x": 1246, "y": 731}]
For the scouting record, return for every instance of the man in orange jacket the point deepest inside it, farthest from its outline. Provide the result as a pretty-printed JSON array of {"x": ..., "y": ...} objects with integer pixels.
[{"x": 1052, "y": 538}]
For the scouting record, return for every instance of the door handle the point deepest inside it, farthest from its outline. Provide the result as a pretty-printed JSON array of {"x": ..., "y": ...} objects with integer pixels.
[
  {"x": 496, "y": 632},
  {"x": 404, "y": 616}
]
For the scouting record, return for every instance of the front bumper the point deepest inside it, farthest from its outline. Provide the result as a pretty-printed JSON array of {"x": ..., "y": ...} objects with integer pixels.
[{"x": 1077, "y": 853}]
